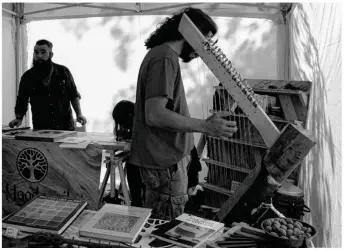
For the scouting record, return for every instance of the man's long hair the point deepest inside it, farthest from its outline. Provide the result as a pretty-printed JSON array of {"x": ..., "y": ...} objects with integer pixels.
[{"x": 168, "y": 29}]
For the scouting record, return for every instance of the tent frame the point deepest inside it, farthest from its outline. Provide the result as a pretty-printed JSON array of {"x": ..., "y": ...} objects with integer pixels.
[
  {"x": 22, "y": 17},
  {"x": 27, "y": 16}
]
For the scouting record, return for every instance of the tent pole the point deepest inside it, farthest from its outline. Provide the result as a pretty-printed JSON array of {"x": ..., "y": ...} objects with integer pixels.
[
  {"x": 169, "y": 7},
  {"x": 19, "y": 8},
  {"x": 287, "y": 17},
  {"x": 17, "y": 44},
  {"x": 85, "y": 5},
  {"x": 10, "y": 12},
  {"x": 258, "y": 5},
  {"x": 52, "y": 9},
  {"x": 287, "y": 51},
  {"x": 139, "y": 7},
  {"x": 107, "y": 7},
  {"x": 30, "y": 19}
]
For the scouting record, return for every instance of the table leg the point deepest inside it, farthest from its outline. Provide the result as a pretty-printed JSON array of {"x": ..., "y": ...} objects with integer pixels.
[
  {"x": 105, "y": 180},
  {"x": 124, "y": 183}
]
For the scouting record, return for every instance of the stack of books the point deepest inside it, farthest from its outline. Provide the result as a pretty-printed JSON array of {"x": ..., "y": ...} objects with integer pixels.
[{"x": 187, "y": 231}]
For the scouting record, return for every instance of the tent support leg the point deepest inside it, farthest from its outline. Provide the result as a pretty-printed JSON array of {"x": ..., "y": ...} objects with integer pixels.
[
  {"x": 17, "y": 44},
  {"x": 19, "y": 9}
]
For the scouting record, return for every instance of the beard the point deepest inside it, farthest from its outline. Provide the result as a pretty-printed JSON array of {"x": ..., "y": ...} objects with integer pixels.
[
  {"x": 185, "y": 54},
  {"x": 42, "y": 68}
]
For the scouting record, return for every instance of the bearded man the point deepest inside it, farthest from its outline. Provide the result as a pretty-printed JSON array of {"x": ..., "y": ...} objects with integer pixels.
[
  {"x": 162, "y": 136},
  {"x": 50, "y": 89}
]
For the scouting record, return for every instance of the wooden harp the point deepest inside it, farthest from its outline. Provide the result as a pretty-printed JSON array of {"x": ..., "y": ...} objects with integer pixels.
[{"x": 258, "y": 142}]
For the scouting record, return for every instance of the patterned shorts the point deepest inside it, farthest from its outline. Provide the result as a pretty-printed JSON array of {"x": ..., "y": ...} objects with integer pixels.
[{"x": 166, "y": 189}]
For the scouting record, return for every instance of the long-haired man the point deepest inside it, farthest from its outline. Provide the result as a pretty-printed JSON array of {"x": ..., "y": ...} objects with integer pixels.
[{"x": 163, "y": 129}]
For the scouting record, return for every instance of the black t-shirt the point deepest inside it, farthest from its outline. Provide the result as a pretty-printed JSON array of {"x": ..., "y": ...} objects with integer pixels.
[{"x": 50, "y": 104}]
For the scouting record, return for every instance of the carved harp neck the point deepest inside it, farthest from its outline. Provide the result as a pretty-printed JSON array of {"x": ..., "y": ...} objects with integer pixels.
[{"x": 224, "y": 71}]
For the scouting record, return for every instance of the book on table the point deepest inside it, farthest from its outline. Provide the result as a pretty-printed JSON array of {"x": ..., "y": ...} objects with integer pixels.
[
  {"x": 6, "y": 128},
  {"x": 116, "y": 223},
  {"x": 187, "y": 230},
  {"x": 44, "y": 135},
  {"x": 44, "y": 213}
]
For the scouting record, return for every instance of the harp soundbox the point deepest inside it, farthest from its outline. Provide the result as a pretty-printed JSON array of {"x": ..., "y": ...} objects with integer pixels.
[{"x": 252, "y": 165}]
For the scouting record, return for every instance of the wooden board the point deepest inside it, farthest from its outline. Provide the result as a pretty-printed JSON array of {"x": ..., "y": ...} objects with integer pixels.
[
  {"x": 56, "y": 171},
  {"x": 116, "y": 223},
  {"x": 44, "y": 135},
  {"x": 287, "y": 107},
  {"x": 245, "y": 185},
  {"x": 216, "y": 188},
  {"x": 288, "y": 152},
  {"x": 299, "y": 93},
  {"x": 280, "y": 85},
  {"x": 300, "y": 106},
  {"x": 105, "y": 140},
  {"x": 242, "y": 235},
  {"x": 9, "y": 129},
  {"x": 51, "y": 214}
]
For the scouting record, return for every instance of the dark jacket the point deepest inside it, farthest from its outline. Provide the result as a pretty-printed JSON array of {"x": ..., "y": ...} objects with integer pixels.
[{"x": 50, "y": 105}]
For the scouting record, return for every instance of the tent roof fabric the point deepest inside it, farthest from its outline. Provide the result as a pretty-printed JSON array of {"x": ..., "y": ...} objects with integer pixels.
[{"x": 49, "y": 11}]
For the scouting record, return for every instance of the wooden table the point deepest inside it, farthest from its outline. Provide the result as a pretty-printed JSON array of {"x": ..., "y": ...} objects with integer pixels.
[
  {"x": 71, "y": 234},
  {"x": 33, "y": 167}
]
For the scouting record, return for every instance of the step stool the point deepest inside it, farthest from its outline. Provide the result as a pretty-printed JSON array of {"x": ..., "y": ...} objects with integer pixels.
[{"x": 112, "y": 162}]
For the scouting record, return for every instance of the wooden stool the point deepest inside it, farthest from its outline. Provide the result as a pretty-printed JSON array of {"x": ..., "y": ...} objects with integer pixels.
[{"x": 115, "y": 160}]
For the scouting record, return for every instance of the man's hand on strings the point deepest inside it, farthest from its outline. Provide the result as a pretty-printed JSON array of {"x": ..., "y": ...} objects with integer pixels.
[{"x": 216, "y": 126}]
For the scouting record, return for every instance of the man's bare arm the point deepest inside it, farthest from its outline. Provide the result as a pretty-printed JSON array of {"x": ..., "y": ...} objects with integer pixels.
[
  {"x": 76, "y": 106},
  {"x": 159, "y": 116}
]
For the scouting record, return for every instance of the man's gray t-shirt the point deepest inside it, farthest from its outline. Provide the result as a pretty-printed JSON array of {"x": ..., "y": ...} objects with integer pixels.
[{"x": 159, "y": 76}]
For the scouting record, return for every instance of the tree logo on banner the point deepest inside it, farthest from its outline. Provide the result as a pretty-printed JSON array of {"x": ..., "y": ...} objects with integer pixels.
[{"x": 32, "y": 165}]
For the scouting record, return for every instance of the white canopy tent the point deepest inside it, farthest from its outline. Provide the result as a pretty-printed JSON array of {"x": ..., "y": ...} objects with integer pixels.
[
  {"x": 42, "y": 11},
  {"x": 310, "y": 45}
]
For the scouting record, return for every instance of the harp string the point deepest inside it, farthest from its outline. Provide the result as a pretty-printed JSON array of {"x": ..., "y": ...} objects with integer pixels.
[
  {"x": 231, "y": 149},
  {"x": 216, "y": 154},
  {"x": 237, "y": 151},
  {"x": 229, "y": 146},
  {"x": 217, "y": 178}
]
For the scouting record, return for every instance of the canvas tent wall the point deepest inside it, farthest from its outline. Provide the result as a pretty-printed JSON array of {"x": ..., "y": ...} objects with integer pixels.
[
  {"x": 8, "y": 65},
  {"x": 315, "y": 55},
  {"x": 14, "y": 55}
]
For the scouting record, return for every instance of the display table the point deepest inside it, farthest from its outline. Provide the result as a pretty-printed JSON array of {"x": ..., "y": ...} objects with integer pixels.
[
  {"x": 72, "y": 239},
  {"x": 33, "y": 167}
]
